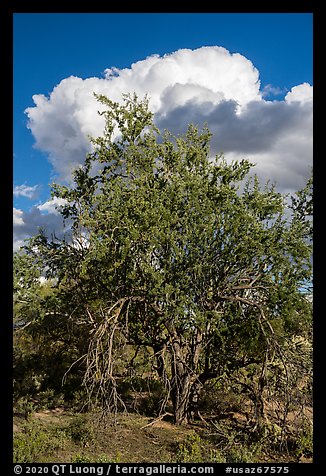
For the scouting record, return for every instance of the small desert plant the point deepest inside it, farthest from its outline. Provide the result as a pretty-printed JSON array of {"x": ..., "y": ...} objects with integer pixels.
[
  {"x": 102, "y": 458},
  {"x": 81, "y": 431},
  {"x": 190, "y": 450},
  {"x": 34, "y": 444},
  {"x": 25, "y": 406},
  {"x": 304, "y": 442}
]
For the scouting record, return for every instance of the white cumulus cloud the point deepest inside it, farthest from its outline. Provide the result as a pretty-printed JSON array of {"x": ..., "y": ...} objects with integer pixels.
[
  {"x": 52, "y": 206},
  {"x": 208, "y": 84},
  {"x": 301, "y": 94},
  {"x": 18, "y": 217},
  {"x": 26, "y": 191},
  {"x": 46, "y": 216},
  {"x": 62, "y": 122}
]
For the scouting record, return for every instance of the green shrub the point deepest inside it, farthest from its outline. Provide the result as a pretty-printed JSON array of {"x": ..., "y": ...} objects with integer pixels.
[
  {"x": 240, "y": 454},
  {"x": 218, "y": 397},
  {"x": 25, "y": 406},
  {"x": 81, "y": 431},
  {"x": 149, "y": 405},
  {"x": 143, "y": 395},
  {"x": 235, "y": 454},
  {"x": 217, "y": 456},
  {"x": 81, "y": 458},
  {"x": 190, "y": 449},
  {"x": 234, "y": 444},
  {"x": 105, "y": 459},
  {"x": 77, "y": 400},
  {"x": 49, "y": 399},
  {"x": 304, "y": 442},
  {"x": 34, "y": 444},
  {"x": 85, "y": 458}
]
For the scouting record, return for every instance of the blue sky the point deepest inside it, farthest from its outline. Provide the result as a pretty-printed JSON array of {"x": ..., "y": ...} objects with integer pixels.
[{"x": 50, "y": 47}]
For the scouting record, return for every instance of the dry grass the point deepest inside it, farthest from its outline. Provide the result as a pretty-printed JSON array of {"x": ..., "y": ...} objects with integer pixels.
[
  {"x": 123, "y": 442},
  {"x": 65, "y": 437}
]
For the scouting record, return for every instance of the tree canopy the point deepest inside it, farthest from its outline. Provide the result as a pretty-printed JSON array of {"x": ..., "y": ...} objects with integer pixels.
[{"x": 183, "y": 254}]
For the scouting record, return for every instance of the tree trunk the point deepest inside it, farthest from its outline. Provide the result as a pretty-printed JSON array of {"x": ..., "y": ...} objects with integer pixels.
[
  {"x": 260, "y": 416},
  {"x": 259, "y": 411},
  {"x": 195, "y": 392},
  {"x": 180, "y": 395},
  {"x": 160, "y": 363},
  {"x": 181, "y": 383},
  {"x": 184, "y": 367}
]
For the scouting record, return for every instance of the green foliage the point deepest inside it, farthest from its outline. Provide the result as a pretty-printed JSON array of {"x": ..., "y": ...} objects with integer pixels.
[
  {"x": 34, "y": 443},
  {"x": 103, "y": 458},
  {"x": 304, "y": 442},
  {"x": 190, "y": 449},
  {"x": 171, "y": 250},
  {"x": 233, "y": 449},
  {"x": 86, "y": 458},
  {"x": 81, "y": 431},
  {"x": 49, "y": 399},
  {"x": 144, "y": 395},
  {"x": 25, "y": 407},
  {"x": 82, "y": 458},
  {"x": 240, "y": 454},
  {"x": 41, "y": 358}
]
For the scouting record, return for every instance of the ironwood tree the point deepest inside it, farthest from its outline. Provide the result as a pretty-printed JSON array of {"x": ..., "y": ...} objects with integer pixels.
[{"x": 178, "y": 252}]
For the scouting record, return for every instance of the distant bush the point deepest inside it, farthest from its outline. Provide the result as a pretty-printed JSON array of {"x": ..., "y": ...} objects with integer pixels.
[
  {"x": 304, "y": 442},
  {"x": 190, "y": 449},
  {"x": 81, "y": 458},
  {"x": 81, "y": 431},
  {"x": 85, "y": 458},
  {"x": 34, "y": 444}
]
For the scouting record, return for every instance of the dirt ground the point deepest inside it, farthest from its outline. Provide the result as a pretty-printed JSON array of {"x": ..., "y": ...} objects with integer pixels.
[
  {"x": 133, "y": 439},
  {"x": 130, "y": 440}
]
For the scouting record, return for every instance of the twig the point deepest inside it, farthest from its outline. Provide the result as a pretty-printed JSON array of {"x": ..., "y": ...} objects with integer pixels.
[
  {"x": 71, "y": 366},
  {"x": 202, "y": 418},
  {"x": 22, "y": 328},
  {"x": 157, "y": 419}
]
